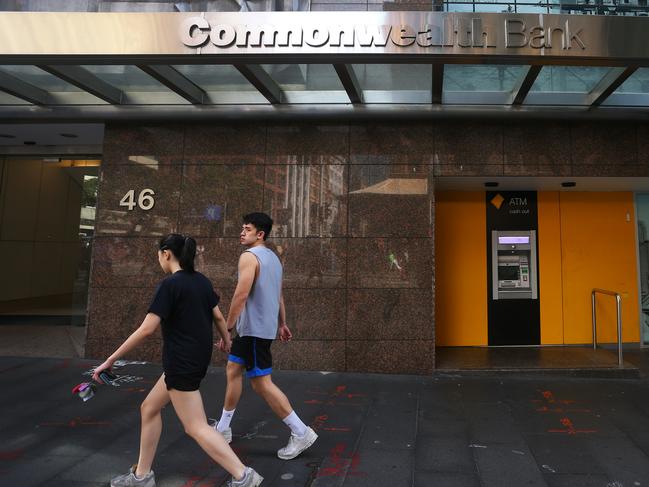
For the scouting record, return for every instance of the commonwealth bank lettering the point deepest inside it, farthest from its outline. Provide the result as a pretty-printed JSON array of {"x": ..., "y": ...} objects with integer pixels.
[{"x": 445, "y": 32}]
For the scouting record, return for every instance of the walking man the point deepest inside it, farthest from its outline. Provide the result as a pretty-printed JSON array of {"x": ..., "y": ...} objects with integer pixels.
[{"x": 257, "y": 310}]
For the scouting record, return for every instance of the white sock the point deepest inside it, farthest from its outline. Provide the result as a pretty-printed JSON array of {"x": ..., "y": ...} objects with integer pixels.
[
  {"x": 295, "y": 423},
  {"x": 224, "y": 422}
]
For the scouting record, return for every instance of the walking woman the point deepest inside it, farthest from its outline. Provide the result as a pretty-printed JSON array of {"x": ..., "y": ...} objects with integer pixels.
[{"x": 186, "y": 305}]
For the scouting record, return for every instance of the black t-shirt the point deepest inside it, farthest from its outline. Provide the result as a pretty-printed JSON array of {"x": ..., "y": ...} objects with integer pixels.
[{"x": 184, "y": 302}]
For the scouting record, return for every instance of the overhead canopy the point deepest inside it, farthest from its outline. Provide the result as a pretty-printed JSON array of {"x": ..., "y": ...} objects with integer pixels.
[{"x": 103, "y": 66}]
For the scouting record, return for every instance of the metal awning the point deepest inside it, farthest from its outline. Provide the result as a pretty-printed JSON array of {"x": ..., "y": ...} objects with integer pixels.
[{"x": 249, "y": 65}]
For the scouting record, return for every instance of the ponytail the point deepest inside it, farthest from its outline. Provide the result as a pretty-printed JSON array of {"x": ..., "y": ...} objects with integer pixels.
[
  {"x": 187, "y": 255},
  {"x": 182, "y": 247}
]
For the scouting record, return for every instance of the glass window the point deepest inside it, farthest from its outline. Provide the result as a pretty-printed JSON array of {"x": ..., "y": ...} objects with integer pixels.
[
  {"x": 565, "y": 85},
  {"x": 308, "y": 83},
  {"x": 7, "y": 99},
  {"x": 540, "y": 8},
  {"x": 215, "y": 77},
  {"x": 469, "y": 77},
  {"x": 638, "y": 82},
  {"x": 480, "y": 84},
  {"x": 568, "y": 79},
  {"x": 642, "y": 206},
  {"x": 458, "y": 7},
  {"x": 139, "y": 87},
  {"x": 48, "y": 222},
  {"x": 39, "y": 78},
  {"x": 633, "y": 92},
  {"x": 395, "y": 83},
  {"x": 60, "y": 91}
]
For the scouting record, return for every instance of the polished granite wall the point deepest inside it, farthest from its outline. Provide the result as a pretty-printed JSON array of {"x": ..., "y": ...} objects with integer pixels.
[
  {"x": 353, "y": 206},
  {"x": 353, "y": 227}
]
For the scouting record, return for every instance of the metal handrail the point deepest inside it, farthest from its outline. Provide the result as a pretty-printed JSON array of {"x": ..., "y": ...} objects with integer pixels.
[{"x": 618, "y": 300}]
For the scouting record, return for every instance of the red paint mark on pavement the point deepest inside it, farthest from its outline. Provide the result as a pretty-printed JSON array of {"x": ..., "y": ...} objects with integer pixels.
[
  {"x": 191, "y": 482},
  {"x": 319, "y": 421},
  {"x": 11, "y": 454},
  {"x": 133, "y": 389},
  {"x": 342, "y": 465},
  {"x": 546, "y": 409},
  {"x": 337, "y": 429},
  {"x": 73, "y": 423},
  {"x": 570, "y": 428}
]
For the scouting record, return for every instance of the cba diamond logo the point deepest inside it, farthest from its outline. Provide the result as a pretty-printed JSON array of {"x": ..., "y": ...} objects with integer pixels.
[{"x": 497, "y": 201}]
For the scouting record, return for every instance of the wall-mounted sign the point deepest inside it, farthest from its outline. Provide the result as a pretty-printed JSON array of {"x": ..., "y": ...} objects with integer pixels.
[
  {"x": 326, "y": 36},
  {"x": 432, "y": 31},
  {"x": 144, "y": 200}
]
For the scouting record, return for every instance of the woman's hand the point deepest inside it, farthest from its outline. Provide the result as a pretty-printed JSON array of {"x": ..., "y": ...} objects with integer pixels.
[
  {"x": 224, "y": 346},
  {"x": 98, "y": 370}
]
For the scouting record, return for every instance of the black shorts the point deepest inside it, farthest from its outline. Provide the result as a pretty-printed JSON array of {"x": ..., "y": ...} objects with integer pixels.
[
  {"x": 254, "y": 354},
  {"x": 184, "y": 382}
]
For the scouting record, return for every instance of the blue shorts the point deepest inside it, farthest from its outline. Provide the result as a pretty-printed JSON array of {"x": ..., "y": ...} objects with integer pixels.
[{"x": 254, "y": 354}]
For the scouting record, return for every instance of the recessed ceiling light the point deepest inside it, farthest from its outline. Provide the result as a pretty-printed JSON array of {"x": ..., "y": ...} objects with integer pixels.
[
  {"x": 568, "y": 184},
  {"x": 29, "y": 142},
  {"x": 7, "y": 136},
  {"x": 69, "y": 136},
  {"x": 491, "y": 184}
]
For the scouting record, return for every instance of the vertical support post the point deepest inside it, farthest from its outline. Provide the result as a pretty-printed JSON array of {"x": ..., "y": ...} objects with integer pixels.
[
  {"x": 618, "y": 300},
  {"x": 592, "y": 300}
]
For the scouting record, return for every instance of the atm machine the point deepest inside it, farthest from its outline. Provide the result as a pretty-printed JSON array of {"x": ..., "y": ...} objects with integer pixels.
[{"x": 513, "y": 265}]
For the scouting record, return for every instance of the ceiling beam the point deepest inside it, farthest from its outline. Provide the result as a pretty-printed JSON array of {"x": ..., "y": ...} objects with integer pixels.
[
  {"x": 20, "y": 89},
  {"x": 84, "y": 79},
  {"x": 608, "y": 84},
  {"x": 350, "y": 82},
  {"x": 261, "y": 80},
  {"x": 524, "y": 84},
  {"x": 176, "y": 82}
]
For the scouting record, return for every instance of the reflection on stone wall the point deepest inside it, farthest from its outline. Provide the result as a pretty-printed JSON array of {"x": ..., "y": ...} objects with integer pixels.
[
  {"x": 353, "y": 229},
  {"x": 354, "y": 212}
]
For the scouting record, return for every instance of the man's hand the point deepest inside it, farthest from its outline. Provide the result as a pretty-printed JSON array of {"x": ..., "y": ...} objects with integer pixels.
[
  {"x": 285, "y": 334},
  {"x": 224, "y": 346}
]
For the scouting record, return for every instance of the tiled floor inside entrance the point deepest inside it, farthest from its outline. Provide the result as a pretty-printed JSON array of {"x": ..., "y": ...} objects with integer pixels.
[{"x": 542, "y": 359}]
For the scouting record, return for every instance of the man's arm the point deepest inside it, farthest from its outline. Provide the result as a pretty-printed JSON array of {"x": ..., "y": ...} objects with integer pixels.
[
  {"x": 147, "y": 328},
  {"x": 247, "y": 270},
  {"x": 284, "y": 332}
]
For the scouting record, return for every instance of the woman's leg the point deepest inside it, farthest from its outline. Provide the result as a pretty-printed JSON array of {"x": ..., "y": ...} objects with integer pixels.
[
  {"x": 189, "y": 408},
  {"x": 150, "y": 410}
]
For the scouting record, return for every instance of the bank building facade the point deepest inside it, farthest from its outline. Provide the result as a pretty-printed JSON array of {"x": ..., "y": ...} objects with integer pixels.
[{"x": 454, "y": 185}]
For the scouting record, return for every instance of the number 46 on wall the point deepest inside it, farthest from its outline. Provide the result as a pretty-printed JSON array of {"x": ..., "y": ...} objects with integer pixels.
[{"x": 145, "y": 199}]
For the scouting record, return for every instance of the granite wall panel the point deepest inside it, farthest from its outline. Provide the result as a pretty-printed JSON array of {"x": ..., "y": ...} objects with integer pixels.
[
  {"x": 215, "y": 197},
  {"x": 156, "y": 145},
  {"x": 528, "y": 153},
  {"x": 354, "y": 210},
  {"x": 343, "y": 198},
  {"x": 603, "y": 144},
  {"x": 307, "y": 144},
  {"x": 225, "y": 144},
  {"x": 306, "y": 200},
  {"x": 122, "y": 205}
]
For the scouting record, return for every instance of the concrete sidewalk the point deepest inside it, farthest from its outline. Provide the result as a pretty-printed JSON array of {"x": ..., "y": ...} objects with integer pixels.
[{"x": 376, "y": 431}]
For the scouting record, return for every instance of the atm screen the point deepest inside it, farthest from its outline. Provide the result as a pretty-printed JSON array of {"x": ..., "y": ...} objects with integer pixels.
[
  {"x": 508, "y": 273},
  {"x": 514, "y": 239}
]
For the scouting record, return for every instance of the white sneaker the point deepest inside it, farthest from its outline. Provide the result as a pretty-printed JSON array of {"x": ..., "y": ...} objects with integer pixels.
[
  {"x": 297, "y": 444},
  {"x": 227, "y": 434},
  {"x": 130, "y": 480},
  {"x": 250, "y": 479}
]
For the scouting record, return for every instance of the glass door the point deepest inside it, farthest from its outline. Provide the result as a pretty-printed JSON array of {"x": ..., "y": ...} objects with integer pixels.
[{"x": 642, "y": 212}]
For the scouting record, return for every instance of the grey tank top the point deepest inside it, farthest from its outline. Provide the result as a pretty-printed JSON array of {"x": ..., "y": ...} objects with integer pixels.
[{"x": 261, "y": 313}]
